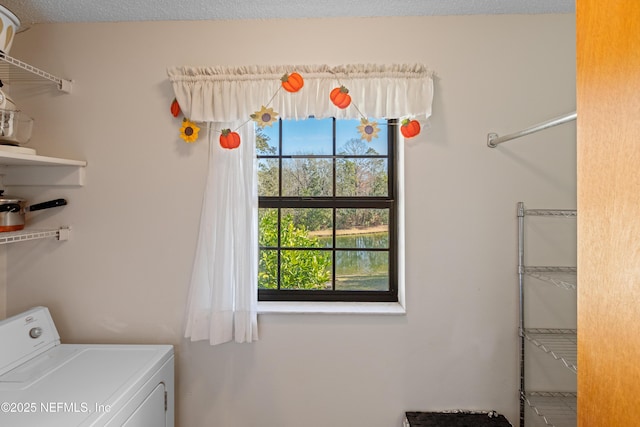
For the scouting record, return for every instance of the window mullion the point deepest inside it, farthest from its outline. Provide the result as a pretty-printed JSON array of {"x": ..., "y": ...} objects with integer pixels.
[
  {"x": 333, "y": 194},
  {"x": 279, "y": 250}
]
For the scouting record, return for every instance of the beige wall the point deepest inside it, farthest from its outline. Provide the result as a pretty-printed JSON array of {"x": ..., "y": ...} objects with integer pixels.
[{"x": 123, "y": 276}]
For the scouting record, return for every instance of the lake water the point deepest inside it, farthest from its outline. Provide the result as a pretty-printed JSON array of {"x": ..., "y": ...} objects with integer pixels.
[{"x": 358, "y": 268}]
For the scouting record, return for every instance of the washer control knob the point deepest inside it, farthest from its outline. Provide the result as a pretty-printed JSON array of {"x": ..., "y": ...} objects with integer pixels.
[{"x": 35, "y": 332}]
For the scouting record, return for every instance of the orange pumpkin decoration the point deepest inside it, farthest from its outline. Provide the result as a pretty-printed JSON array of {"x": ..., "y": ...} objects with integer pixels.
[
  {"x": 340, "y": 97},
  {"x": 292, "y": 82},
  {"x": 410, "y": 128},
  {"x": 229, "y": 139},
  {"x": 175, "y": 108}
]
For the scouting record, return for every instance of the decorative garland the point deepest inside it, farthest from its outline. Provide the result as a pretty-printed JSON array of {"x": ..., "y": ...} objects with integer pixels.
[{"x": 291, "y": 83}]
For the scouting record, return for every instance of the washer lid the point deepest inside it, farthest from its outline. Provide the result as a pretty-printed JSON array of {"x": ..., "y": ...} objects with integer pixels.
[{"x": 78, "y": 385}]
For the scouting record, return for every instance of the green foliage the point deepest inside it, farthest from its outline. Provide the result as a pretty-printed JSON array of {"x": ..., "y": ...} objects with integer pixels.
[
  {"x": 299, "y": 269},
  {"x": 262, "y": 143},
  {"x": 311, "y": 219},
  {"x": 361, "y": 218}
]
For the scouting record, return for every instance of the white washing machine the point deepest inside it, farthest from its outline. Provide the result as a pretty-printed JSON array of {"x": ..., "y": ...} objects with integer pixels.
[{"x": 44, "y": 383}]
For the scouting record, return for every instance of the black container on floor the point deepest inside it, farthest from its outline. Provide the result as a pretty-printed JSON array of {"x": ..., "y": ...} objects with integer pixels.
[{"x": 456, "y": 419}]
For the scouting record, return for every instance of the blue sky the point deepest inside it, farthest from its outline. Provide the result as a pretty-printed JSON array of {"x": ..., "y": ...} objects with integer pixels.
[{"x": 314, "y": 136}]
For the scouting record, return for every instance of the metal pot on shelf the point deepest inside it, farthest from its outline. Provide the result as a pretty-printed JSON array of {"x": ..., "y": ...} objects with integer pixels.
[{"x": 13, "y": 211}]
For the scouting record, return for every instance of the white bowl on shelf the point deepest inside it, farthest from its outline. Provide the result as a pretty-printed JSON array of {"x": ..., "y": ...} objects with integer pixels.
[
  {"x": 9, "y": 24},
  {"x": 15, "y": 127}
]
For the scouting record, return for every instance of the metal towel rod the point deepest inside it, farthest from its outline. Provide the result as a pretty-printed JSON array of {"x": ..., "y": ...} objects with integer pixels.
[{"x": 493, "y": 139}]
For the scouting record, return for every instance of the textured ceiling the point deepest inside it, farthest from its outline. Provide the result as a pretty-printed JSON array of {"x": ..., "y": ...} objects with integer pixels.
[{"x": 42, "y": 11}]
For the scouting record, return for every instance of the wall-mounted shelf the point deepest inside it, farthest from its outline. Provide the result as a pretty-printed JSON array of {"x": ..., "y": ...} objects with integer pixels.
[
  {"x": 13, "y": 71},
  {"x": 24, "y": 235},
  {"x": 8, "y": 158},
  {"x": 41, "y": 170}
]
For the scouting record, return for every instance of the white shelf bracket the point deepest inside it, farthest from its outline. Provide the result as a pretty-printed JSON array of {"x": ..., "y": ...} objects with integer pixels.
[{"x": 64, "y": 233}]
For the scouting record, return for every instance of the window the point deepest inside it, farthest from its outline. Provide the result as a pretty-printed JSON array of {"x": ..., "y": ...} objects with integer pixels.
[{"x": 327, "y": 212}]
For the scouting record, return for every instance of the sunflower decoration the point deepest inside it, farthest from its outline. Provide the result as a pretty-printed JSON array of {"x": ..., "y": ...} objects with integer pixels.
[
  {"x": 189, "y": 131},
  {"x": 368, "y": 130},
  {"x": 265, "y": 117}
]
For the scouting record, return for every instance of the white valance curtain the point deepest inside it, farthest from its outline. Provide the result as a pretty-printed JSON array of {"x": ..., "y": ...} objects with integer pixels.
[
  {"x": 222, "y": 94},
  {"x": 222, "y": 303}
]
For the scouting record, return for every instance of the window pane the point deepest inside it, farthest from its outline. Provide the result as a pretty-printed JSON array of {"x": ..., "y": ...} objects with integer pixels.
[
  {"x": 306, "y": 228},
  {"x": 268, "y": 227},
  {"x": 267, "y": 140},
  {"x": 325, "y": 215},
  {"x": 362, "y": 271},
  {"x": 268, "y": 177},
  {"x": 268, "y": 269},
  {"x": 361, "y": 177},
  {"x": 311, "y": 136},
  {"x": 347, "y": 131},
  {"x": 362, "y": 228},
  {"x": 310, "y": 270},
  {"x": 307, "y": 177}
]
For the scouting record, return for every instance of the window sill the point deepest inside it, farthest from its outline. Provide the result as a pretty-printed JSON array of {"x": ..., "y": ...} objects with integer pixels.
[{"x": 308, "y": 307}]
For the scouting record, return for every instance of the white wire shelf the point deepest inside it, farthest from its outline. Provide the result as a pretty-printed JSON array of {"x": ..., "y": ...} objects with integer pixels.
[
  {"x": 562, "y": 277},
  {"x": 13, "y": 71},
  {"x": 567, "y": 213},
  {"x": 557, "y": 409},
  {"x": 561, "y": 344},
  {"x": 61, "y": 233}
]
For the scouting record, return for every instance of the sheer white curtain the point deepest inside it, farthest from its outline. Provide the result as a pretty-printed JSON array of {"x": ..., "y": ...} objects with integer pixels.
[
  {"x": 222, "y": 296},
  {"x": 223, "y": 291}
]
